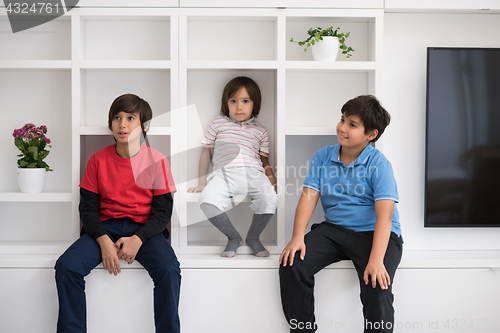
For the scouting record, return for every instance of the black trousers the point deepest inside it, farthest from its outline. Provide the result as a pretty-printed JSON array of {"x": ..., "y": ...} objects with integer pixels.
[{"x": 327, "y": 243}]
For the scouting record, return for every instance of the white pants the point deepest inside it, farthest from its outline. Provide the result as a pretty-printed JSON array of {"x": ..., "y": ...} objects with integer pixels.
[{"x": 225, "y": 183}]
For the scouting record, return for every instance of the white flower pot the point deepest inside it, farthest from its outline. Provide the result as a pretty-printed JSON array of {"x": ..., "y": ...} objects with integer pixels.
[
  {"x": 31, "y": 179},
  {"x": 326, "y": 49}
]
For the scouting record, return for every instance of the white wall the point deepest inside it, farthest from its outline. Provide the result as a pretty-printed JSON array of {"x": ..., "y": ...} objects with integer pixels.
[{"x": 406, "y": 38}]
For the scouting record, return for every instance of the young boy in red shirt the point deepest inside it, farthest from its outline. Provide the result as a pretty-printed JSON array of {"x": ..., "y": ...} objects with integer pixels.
[{"x": 125, "y": 207}]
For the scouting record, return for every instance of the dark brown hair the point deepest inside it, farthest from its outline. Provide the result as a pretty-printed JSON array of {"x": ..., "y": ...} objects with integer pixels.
[
  {"x": 236, "y": 84},
  {"x": 131, "y": 103},
  {"x": 370, "y": 111}
]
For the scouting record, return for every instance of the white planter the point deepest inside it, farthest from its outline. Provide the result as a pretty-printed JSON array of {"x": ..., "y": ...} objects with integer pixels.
[
  {"x": 326, "y": 49},
  {"x": 31, "y": 180}
]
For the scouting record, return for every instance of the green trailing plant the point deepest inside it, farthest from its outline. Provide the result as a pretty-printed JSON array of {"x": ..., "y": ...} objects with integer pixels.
[
  {"x": 315, "y": 35},
  {"x": 32, "y": 143}
]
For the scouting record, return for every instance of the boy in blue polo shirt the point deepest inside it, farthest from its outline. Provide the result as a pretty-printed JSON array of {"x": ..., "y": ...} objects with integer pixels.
[{"x": 356, "y": 185}]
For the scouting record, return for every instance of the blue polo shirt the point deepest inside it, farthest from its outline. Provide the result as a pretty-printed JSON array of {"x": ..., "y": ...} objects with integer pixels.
[{"x": 348, "y": 194}]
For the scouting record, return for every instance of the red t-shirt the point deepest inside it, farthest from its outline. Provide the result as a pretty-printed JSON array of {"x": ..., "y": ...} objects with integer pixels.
[{"x": 127, "y": 185}]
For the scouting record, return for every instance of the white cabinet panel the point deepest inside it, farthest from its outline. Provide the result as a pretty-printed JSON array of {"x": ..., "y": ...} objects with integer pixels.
[
  {"x": 122, "y": 303},
  {"x": 447, "y": 300},
  {"x": 437, "y": 300},
  {"x": 128, "y": 3},
  {"x": 441, "y": 4},
  {"x": 29, "y": 300},
  {"x": 285, "y": 3},
  {"x": 229, "y": 300}
]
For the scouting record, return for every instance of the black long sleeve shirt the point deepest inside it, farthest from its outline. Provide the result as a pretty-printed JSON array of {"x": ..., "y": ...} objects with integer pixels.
[{"x": 161, "y": 213}]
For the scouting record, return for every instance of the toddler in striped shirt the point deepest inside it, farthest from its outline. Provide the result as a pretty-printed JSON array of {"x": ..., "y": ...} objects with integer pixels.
[{"x": 239, "y": 148}]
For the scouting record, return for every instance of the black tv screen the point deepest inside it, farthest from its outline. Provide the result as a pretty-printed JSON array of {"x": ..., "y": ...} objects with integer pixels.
[{"x": 462, "y": 176}]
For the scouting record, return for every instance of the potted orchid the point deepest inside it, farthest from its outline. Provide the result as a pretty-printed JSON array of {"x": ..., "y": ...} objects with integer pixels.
[{"x": 33, "y": 144}]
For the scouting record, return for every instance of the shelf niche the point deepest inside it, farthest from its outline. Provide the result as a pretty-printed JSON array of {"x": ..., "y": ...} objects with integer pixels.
[
  {"x": 233, "y": 38},
  {"x": 125, "y": 38},
  {"x": 361, "y": 29},
  {"x": 101, "y": 87},
  {"x": 49, "y": 41},
  {"x": 299, "y": 151}
]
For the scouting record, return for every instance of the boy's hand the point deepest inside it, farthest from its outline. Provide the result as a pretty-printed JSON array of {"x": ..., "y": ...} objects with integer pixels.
[
  {"x": 272, "y": 179},
  {"x": 128, "y": 247},
  {"x": 376, "y": 270},
  {"x": 109, "y": 255},
  {"x": 289, "y": 251},
  {"x": 196, "y": 189}
]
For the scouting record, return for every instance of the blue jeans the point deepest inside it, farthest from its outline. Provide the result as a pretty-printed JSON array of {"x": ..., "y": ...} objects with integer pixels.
[{"x": 156, "y": 256}]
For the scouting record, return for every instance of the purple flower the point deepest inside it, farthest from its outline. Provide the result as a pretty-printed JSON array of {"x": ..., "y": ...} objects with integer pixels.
[{"x": 34, "y": 137}]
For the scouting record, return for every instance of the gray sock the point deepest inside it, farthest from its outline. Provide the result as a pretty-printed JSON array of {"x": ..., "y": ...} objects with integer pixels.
[
  {"x": 259, "y": 223},
  {"x": 221, "y": 221}
]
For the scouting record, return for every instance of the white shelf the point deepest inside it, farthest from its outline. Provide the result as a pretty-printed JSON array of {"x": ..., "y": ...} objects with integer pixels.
[
  {"x": 16, "y": 196},
  {"x": 195, "y": 197},
  {"x": 232, "y": 64},
  {"x": 35, "y": 249},
  {"x": 209, "y": 261},
  {"x": 450, "y": 259},
  {"x": 284, "y": 3},
  {"x": 35, "y": 64},
  {"x": 106, "y": 131},
  {"x": 37, "y": 260},
  {"x": 125, "y": 64},
  {"x": 411, "y": 260},
  {"x": 160, "y": 131},
  {"x": 311, "y": 131},
  {"x": 94, "y": 131},
  {"x": 337, "y": 66},
  {"x": 128, "y": 3},
  {"x": 312, "y": 14},
  {"x": 362, "y": 4}
]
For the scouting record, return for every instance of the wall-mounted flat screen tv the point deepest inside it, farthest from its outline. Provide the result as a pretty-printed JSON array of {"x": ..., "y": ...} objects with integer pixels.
[{"x": 462, "y": 162}]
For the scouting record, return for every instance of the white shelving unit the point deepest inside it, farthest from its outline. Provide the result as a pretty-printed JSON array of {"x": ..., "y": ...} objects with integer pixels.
[
  {"x": 123, "y": 51},
  {"x": 35, "y": 86},
  {"x": 179, "y": 60},
  {"x": 65, "y": 74},
  {"x": 295, "y": 91}
]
